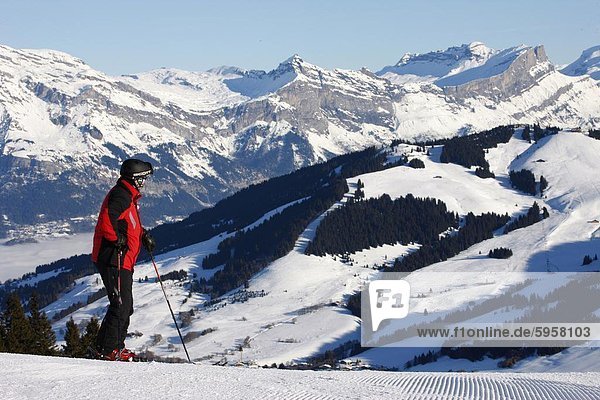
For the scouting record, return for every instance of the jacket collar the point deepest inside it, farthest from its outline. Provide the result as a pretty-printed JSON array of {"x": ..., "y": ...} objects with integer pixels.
[{"x": 135, "y": 194}]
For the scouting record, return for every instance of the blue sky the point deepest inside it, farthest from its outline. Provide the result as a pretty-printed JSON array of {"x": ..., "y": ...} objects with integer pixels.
[{"x": 127, "y": 36}]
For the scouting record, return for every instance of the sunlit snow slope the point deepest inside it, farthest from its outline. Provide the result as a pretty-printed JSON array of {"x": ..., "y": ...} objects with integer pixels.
[
  {"x": 299, "y": 310},
  {"x": 31, "y": 377}
]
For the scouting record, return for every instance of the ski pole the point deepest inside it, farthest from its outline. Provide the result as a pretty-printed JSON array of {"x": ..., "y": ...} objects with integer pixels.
[
  {"x": 120, "y": 301},
  {"x": 170, "y": 309},
  {"x": 119, "y": 278}
]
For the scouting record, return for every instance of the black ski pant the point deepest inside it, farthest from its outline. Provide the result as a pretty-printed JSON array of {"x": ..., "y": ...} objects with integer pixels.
[{"x": 114, "y": 326}]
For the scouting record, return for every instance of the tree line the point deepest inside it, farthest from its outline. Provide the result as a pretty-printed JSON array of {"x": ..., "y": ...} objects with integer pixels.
[
  {"x": 538, "y": 132},
  {"x": 33, "y": 334},
  {"x": 476, "y": 229},
  {"x": 249, "y": 204},
  {"x": 248, "y": 252},
  {"x": 49, "y": 290},
  {"x": 500, "y": 252},
  {"x": 469, "y": 150},
  {"x": 532, "y": 216},
  {"x": 375, "y": 222},
  {"x": 524, "y": 180}
]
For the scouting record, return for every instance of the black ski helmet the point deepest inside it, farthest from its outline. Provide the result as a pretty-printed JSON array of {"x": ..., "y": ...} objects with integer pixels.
[{"x": 137, "y": 171}]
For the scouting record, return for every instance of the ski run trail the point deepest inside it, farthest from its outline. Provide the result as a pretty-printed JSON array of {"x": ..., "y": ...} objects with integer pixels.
[{"x": 35, "y": 377}]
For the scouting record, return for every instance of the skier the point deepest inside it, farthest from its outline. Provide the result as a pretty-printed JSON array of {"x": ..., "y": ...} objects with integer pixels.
[{"x": 117, "y": 241}]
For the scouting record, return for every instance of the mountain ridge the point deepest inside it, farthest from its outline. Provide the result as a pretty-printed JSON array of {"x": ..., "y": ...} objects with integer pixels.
[
  {"x": 436, "y": 64},
  {"x": 587, "y": 64},
  {"x": 214, "y": 132}
]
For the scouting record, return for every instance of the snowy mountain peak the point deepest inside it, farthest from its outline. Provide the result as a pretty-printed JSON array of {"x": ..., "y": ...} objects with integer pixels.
[
  {"x": 294, "y": 64},
  {"x": 174, "y": 77},
  {"x": 499, "y": 62},
  {"x": 437, "y": 64},
  {"x": 295, "y": 59},
  {"x": 41, "y": 61},
  {"x": 507, "y": 73},
  {"x": 587, "y": 64},
  {"x": 456, "y": 53},
  {"x": 479, "y": 48},
  {"x": 226, "y": 70}
]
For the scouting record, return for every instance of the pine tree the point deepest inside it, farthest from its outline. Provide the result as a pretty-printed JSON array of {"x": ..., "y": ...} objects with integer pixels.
[
  {"x": 538, "y": 132},
  {"x": 72, "y": 346},
  {"x": 527, "y": 134},
  {"x": 2, "y": 335},
  {"x": 43, "y": 337},
  {"x": 88, "y": 340},
  {"x": 543, "y": 184},
  {"x": 594, "y": 133},
  {"x": 18, "y": 331},
  {"x": 545, "y": 213}
]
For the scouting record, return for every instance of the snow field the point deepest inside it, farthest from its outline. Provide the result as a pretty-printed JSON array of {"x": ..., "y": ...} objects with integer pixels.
[{"x": 34, "y": 377}]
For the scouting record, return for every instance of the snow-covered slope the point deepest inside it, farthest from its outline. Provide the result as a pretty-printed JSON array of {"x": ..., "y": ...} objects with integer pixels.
[
  {"x": 587, "y": 64},
  {"x": 192, "y": 91},
  {"x": 558, "y": 242},
  {"x": 424, "y": 110},
  {"x": 293, "y": 309},
  {"x": 435, "y": 65},
  {"x": 31, "y": 377},
  {"x": 499, "y": 63}
]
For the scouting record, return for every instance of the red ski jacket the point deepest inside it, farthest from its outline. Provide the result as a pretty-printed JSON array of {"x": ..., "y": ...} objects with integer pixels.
[{"x": 118, "y": 216}]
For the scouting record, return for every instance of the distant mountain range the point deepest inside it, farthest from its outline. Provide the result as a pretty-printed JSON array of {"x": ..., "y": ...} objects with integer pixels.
[{"x": 64, "y": 127}]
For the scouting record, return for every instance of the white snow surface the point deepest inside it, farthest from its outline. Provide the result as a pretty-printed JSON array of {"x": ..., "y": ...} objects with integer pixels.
[
  {"x": 431, "y": 66},
  {"x": 34, "y": 377},
  {"x": 194, "y": 91},
  {"x": 587, "y": 64}
]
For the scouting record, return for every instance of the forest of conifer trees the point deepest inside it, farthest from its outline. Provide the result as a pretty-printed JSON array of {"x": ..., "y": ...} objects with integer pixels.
[
  {"x": 31, "y": 333},
  {"x": 375, "y": 222},
  {"x": 469, "y": 151},
  {"x": 476, "y": 229}
]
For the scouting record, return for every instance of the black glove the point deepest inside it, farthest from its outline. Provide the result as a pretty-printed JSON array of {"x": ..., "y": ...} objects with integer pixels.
[
  {"x": 121, "y": 242},
  {"x": 148, "y": 241}
]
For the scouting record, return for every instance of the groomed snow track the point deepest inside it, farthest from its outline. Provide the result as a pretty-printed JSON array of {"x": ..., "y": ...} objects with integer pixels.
[{"x": 33, "y": 377}]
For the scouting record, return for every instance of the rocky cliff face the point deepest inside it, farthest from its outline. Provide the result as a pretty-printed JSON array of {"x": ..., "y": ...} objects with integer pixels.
[{"x": 521, "y": 72}]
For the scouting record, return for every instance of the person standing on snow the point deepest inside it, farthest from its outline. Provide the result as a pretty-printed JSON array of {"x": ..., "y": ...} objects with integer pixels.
[{"x": 118, "y": 238}]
